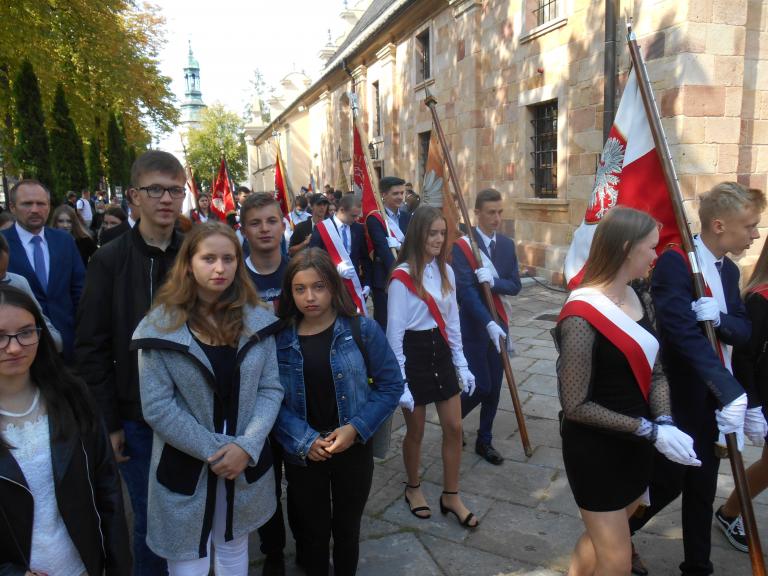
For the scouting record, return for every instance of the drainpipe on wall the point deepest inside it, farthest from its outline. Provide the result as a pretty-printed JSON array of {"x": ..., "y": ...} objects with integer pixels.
[{"x": 609, "y": 70}]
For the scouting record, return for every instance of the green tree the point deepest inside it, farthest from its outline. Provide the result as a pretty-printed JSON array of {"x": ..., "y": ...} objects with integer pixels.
[
  {"x": 106, "y": 53},
  {"x": 117, "y": 155},
  {"x": 66, "y": 149},
  {"x": 219, "y": 131},
  {"x": 95, "y": 167},
  {"x": 31, "y": 153}
]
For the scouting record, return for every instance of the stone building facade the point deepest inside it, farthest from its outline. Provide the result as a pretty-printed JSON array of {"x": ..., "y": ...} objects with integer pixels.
[{"x": 519, "y": 85}]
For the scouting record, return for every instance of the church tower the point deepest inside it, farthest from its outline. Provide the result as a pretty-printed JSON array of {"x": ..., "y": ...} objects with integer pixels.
[{"x": 193, "y": 98}]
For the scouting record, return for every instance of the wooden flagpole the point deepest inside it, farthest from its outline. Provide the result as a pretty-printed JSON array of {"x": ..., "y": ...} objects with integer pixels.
[
  {"x": 431, "y": 103},
  {"x": 290, "y": 199},
  {"x": 676, "y": 197}
]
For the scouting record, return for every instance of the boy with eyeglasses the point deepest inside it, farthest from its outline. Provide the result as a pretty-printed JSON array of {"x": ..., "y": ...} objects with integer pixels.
[{"x": 122, "y": 279}]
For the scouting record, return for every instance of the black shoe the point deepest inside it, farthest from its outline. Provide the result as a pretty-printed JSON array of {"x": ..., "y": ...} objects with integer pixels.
[
  {"x": 733, "y": 528},
  {"x": 489, "y": 453},
  {"x": 274, "y": 565},
  {"x": 638, "y": 566}
]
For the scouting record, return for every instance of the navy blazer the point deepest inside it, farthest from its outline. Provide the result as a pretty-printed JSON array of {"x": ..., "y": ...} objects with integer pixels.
[
  {"x": 65, "y": 280},
  {"x": 698, "y": 381},
  {"x": 473, "y": 312},
  {"x": 383, "y": 260},
  {"x": 358, "y": 251}
]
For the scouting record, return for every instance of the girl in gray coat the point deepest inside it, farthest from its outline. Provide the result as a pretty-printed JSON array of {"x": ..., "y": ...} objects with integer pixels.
[{"x": 211, "y": 393}]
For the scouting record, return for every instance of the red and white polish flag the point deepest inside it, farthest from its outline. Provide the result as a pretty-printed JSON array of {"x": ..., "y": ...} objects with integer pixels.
[{"x": 629, "y": 174}]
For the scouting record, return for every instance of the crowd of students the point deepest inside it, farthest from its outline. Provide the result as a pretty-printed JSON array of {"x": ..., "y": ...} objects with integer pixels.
[{"x": 200, "y": 365}]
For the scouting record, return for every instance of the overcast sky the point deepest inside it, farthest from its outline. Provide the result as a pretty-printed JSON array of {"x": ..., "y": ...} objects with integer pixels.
[{"x": 231, "y": 38}]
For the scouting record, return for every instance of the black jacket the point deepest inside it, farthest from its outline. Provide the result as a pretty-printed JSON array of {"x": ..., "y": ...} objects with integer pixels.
[
  {"x": 90, "y": 502},
  {"x": 121, "y": 282},
  {"x": 115, "y": 232},
  {"x": 750, "y": 361}
]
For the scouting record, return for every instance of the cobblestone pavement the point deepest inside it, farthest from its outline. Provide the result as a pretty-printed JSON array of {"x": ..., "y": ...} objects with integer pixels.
[{"x": 528, "y": 519}]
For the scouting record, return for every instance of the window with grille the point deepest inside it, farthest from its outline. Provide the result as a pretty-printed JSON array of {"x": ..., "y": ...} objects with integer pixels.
[
  {"x": 544, "y": 153},
  {"x": 376, "y": 110},
  {"x": 545, "y": 11},
  {"x": 423, "y": 57}
]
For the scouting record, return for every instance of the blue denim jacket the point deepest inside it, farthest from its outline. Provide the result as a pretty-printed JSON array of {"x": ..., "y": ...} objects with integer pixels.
[{"x": 362, "y": 406}]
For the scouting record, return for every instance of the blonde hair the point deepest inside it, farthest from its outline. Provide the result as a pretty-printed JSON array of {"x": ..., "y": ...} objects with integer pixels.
[
  {"x": 726, "y": 198},
  {"x": 222, "y": 321}
]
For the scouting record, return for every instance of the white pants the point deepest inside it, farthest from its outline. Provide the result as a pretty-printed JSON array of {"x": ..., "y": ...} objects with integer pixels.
[{"x": 231, "y": 558}]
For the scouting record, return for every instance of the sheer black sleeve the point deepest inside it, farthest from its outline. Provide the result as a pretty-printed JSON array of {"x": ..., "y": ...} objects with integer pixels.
[{"x": 574, "y": 371}]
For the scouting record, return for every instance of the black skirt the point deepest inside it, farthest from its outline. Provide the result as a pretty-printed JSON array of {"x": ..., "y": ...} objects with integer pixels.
[
  {"x": 429, "y": 366},
  {"x": 607, "y": 471}
]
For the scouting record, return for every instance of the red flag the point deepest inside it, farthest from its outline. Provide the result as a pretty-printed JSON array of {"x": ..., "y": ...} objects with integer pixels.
[
  {"x": 281, "y": 189},
  {"x": 222, "y": 200},
  {"x": 629, "y": 174},
  {"x": 361, "y": 182}
]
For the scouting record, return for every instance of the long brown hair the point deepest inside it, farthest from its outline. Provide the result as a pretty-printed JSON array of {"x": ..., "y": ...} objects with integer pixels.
[
  {"x": 414, "y": 253},
  {"x": 759, "y": 274},
  {"x": 318, "y": 260},
  {"x": 78, "y": 230},
  {"x": 222, "y": 321},
  {"x": 616, "y": 235}
]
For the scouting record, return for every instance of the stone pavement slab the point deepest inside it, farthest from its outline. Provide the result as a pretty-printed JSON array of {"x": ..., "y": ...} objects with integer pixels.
[{"x": 529, "y": 520}]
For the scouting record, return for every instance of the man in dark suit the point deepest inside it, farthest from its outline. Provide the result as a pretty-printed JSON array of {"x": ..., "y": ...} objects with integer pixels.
[
  {"x": 392, "y": 191},
  {"x": 480, "y": 335},
  {"x": 352, "y": 234},
  {"x": 46, "y": 257},
  {"x": 706, "y": 399},
  {"x": 302, "y": 233}
]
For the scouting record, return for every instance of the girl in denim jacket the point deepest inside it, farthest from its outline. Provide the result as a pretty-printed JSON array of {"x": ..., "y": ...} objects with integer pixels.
[{"x": 330, "y": 411}]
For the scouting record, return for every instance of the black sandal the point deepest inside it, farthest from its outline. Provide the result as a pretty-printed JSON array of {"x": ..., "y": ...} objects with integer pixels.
[
  {"x": 419, "y": 508},
  {"x": 466, "y": 522}
]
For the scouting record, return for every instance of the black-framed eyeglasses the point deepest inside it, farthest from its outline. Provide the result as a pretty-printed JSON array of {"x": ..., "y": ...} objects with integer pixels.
[
  {"x": 26, "y": 337},
  {"x": 157, "y": 191}
]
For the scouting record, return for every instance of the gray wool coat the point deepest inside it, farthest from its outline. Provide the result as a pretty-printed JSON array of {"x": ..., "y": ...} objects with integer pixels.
[{"x": 177, "y": 399}]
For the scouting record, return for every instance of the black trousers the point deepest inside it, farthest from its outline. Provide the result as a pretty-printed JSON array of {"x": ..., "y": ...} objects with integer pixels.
[
  {"x": 698, "y": 486},
  {"x": 272, "y": 534},
  {"x": 380, "y": 307},
  {"x": 332, "y": 495}
]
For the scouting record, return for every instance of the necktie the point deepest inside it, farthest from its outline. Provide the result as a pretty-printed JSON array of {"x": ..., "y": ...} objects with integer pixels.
[
  {"x": 344, "y": 236},
  {"x": 37, "y": 254},
  {"x": 492, "y": 250},
  {"x": 719, "y": 266}
]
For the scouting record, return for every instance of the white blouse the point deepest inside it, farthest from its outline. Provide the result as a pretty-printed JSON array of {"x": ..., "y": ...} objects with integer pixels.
[
  {"x": 406, "y": 311},
  {"x": 52, "y": 549}
]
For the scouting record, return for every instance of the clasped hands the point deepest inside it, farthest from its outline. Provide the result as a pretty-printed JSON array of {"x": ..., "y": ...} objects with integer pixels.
[
  {"x": 229, "y": 461},
  {"x": 337, "y": 441}
]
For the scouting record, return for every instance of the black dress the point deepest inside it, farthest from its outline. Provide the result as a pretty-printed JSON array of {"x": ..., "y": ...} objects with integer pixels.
[{"x": 608, "y": 467}]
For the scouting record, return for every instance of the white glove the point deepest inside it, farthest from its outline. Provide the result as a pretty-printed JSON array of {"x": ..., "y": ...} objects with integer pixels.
[
  {"x": 676, "y": 445},
  {"x": 393, "y": 243},
  {"x": 731, "y": 420},
  {"x": 366, "y": 291},
  {"x": 495, "y": 333},
  {"x": 707, "y": 308},
  {"x": 755, "y": 426},
  {"x": 466, "y": 380},
  {"x": 346, "y": 271},
  {"x": 484, "y": 275},
  {"x": 406, "y": 399}
]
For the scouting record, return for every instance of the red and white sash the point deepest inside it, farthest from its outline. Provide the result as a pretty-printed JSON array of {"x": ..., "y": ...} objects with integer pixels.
[
  {"x": 335, "y": 247},
  {"x": 638, "y": 345},
  {"x": 404, "y": 277},
  {"x": 466, "y": 249}
]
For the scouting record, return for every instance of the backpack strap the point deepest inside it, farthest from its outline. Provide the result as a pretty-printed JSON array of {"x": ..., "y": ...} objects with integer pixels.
[{"x": 357, "y": 336}]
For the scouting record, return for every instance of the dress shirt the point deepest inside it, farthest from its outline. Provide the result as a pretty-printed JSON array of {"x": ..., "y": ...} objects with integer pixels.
[
  {"x": 406, "y": 311},
  {"x": 131, "y": 222},
  {"x": 26, "y": 240},
  {"x": 708, "y": 263},
  {"x": 394, "y": 224},
  {"x": 486, "y": 239},
  {"x": 345, "y": 231}
]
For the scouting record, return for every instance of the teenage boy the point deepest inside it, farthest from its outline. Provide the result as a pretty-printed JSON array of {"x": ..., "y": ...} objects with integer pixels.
[
  {"x": 392, "y": 191},
  {"x": 303, "y": 232},
  {"x": 707, "y": 400},
  {"x": 122, "y": 278},
  {"x": 481, "y": 337}
]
